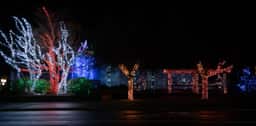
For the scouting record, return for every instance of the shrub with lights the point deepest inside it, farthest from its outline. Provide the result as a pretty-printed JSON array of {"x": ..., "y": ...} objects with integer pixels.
[
  {"x": 80, "y": 86},
  {"x": 42, "y": 86},
  {"x": 23, "y": 85}
]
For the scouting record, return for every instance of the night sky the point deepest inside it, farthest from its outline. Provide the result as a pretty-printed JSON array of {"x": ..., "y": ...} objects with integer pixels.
[{"x": 159, "y": 36}]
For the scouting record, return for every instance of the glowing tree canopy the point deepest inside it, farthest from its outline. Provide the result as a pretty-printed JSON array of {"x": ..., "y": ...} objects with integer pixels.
[
  {"x": 130, "y": 75},
  {"x": 24, "y": 54},
  {"x": 247, "y": 81},
  {"x": 83, "y": 64},
  {"x": 83, "y": 67}
]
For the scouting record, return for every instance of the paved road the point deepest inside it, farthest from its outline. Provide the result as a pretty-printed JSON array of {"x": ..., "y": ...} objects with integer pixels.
[{"x": 78, "y": 113}]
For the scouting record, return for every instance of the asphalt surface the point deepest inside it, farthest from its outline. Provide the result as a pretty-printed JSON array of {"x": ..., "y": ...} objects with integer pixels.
[{"x": 159, "y": 111}]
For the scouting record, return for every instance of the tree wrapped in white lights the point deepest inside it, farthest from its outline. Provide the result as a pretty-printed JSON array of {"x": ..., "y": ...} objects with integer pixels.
[
  {"x": 24, "y": 53},
  {"x": 65, "y": 56},
  {"x": 130, "y": 75}
]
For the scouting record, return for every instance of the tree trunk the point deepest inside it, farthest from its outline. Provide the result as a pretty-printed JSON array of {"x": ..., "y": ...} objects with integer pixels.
[
  {"x": 204, "y": 88},
  {"x": 63, "y": 82},
  {"x": 169, "y": 83},
  {"x": 195, "y": 88},
  {"x": 224, "y": 82},
  {"x": 130, "y": 89}
]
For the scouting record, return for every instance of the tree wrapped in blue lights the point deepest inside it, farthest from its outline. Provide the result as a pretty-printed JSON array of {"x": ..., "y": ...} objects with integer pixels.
[
  {"x": 83, "y": 64},
  {"x": 247, "y": 82}
]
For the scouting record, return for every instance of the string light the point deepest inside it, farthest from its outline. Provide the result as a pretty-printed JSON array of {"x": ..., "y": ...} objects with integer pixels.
[
  {"x": 25, "y": 54},
  {"x": 130, "y": 75}
]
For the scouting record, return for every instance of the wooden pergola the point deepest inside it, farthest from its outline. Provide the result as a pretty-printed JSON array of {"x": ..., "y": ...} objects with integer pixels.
[
  {"x": 193, "y": 72},
  {"x": 204, "y": 74}
]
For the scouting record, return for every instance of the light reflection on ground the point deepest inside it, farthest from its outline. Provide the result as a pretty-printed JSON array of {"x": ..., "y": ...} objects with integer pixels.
[{"x": 115, "y": 116}]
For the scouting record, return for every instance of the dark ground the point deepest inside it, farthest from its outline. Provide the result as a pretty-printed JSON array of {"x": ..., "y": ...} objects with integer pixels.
[{"x": 107, "y": 110}]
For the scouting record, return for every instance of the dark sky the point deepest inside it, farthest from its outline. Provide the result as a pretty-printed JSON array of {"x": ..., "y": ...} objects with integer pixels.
[{"x": 156, "y": 36}]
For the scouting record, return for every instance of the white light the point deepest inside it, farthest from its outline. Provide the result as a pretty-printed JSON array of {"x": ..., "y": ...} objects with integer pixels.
[
  {"x": 24, "y": 52},
  {"x": 3, "y": 81}
]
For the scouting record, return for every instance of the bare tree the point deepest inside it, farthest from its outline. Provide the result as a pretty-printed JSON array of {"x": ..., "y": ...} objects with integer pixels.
[
  {"x": 65, "y": 56},
  {"x": 54, "y": 39},
  {"x": 205, "y": 74},
  {"x": 130, "y": 75},
  {"x": 51, "y": 51},
  {"x": 24, "y": 53}
]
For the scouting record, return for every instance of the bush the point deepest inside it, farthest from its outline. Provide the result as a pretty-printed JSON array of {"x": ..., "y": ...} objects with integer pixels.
[
  {"x": 80, "y": 86},
  {"x": 24, "y": 85},
  {"x": 42, "y": 86}
]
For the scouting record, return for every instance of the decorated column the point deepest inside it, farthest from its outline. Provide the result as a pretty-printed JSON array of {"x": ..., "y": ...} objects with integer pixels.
[
  {"x": 169, "y": 80},
  {"x": 169, "y": 83},
  {"x": 205, "y": 87}
]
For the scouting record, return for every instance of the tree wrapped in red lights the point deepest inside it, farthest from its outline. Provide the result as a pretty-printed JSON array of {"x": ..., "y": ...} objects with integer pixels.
[
  {"x": 58, "y": 53},
  {"x": 205, "y": 74},
  {"x": 130, "y": 75}
]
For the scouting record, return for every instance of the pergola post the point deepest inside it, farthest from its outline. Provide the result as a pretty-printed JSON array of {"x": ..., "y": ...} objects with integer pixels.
[
  {"x": 195, "y": 79},
  {"x": 204, "y": 87},
  {"x": 169, "y": 83},
  {"x": 224, "y": 82}
]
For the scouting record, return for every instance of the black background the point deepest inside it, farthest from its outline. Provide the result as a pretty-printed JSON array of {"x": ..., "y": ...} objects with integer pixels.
[{"x": 155, "y": 35}]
